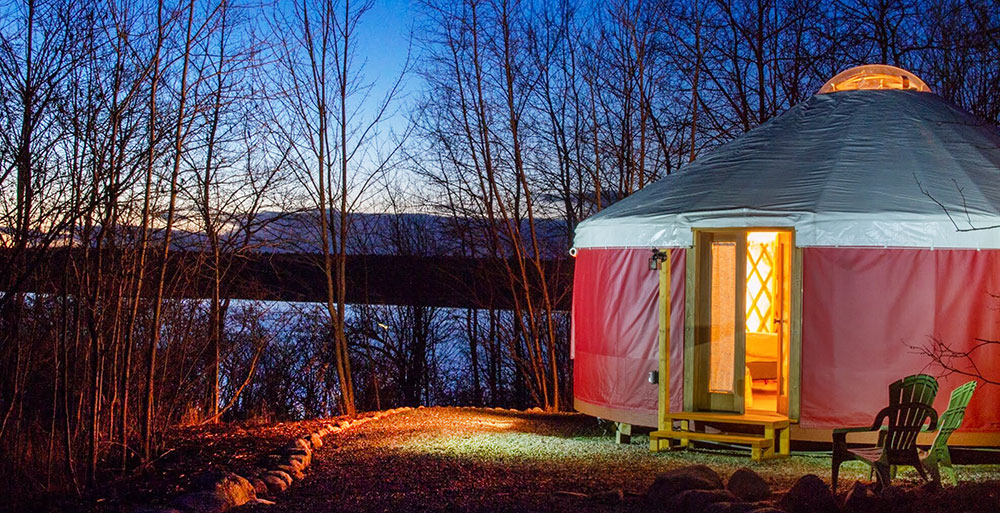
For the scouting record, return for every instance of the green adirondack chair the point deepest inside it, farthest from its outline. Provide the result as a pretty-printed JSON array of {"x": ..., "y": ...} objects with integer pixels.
[
  {"x": 938, "y": 457},
  {"x": 899, "y": 444},
  {"x": 918, "y": 388}
]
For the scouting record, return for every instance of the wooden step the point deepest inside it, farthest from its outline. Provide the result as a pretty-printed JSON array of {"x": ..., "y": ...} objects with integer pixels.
[
  {"x": 761, "y": 447},
  {"x": 773, "y": 444},
  {"x": 753, "y": 441},
  {"x": 754, "y": 419}
]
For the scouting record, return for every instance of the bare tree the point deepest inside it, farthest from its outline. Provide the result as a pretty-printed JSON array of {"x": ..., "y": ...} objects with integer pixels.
[{"x": 335, "y": 139}]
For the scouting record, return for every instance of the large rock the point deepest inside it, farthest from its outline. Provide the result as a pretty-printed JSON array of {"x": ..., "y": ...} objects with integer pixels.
[
  {"x": 306, "y": 455},
  {"x": 748, "y": 485},
  {"x": 280, "y": 475},
  {"x": 291, "y": 471},
  {"x": 296, "y": 462},
  {"x": 235, "y": 489},
  {"x": 259, "y": 486},
  {"x": 299, "y": 443},
  {"x": 275, "y": 484},
  {"x": 671, "y": 483},
  {"x": 696, "y": 501},
  {"x": 809, "y": 495}
]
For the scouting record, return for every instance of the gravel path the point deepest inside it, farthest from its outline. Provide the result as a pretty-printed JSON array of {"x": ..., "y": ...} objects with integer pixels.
[{"x": 463, "y": 459}]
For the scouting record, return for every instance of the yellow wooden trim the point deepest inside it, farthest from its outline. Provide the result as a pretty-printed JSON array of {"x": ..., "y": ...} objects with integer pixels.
[
  {"x": 664, "y": 342},
  {"x": 690, "y": 277},
  {"x": 755, "y": 419},
  {"x": 756, "y": 441},
  {"x": 740, "y": 341},
  {"x": 769, "y": 434},
  {"x": 795, "y": 345}
]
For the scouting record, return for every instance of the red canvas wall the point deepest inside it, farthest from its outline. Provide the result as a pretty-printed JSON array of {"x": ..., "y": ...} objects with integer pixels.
[
  {"x": 615, "y": 333},
  {"x": 863, "y": 308}
]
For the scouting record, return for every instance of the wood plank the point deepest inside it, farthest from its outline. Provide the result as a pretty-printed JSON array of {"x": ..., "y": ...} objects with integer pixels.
[
  {"x": 755, "y": 419},
  {"x": 785, "y": 445},
  {"x": 623, "y": 433},
  {"x": 769, "y": 434},
  {"x": 755, "y": 441}
]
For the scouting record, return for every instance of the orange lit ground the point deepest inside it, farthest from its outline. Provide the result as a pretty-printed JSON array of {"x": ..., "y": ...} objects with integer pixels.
[
  {"x": 451, "y": 459},
  {"x": 463, "y": 459}
]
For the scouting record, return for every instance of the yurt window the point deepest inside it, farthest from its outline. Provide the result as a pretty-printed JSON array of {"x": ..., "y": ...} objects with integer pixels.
[
  {"x": 874, "y": 76},
  {"x": 724, "y": 255}
]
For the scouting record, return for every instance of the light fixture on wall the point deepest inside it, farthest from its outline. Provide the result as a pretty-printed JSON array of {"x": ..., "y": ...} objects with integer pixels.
[{"x": 658, "y": 257}]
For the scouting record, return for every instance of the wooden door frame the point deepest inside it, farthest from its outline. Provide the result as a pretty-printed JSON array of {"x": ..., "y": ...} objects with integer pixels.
[
  {"x": 795, "y": 344},
  {"x": 705, "y": 308}
]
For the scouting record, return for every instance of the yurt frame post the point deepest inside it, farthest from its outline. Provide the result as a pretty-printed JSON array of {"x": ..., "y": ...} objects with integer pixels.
[
  {"x": 795, "y": 332},
  {"x": 664, "y": 341}
]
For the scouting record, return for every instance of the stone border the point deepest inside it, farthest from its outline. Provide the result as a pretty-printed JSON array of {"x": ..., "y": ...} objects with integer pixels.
[{"x": 216, "y": 492}]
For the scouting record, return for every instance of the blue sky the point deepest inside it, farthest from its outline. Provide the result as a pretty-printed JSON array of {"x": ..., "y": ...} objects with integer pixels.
[
  {"x": 384, "y": 34},
  {"x": 383, "y": 39}
]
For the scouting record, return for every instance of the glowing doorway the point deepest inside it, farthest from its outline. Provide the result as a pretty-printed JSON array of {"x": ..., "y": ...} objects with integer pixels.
[{"x": 741, "y": 337}]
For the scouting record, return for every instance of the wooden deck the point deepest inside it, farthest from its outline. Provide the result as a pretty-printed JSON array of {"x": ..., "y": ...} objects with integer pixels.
[{"x": 683, "y": 427}]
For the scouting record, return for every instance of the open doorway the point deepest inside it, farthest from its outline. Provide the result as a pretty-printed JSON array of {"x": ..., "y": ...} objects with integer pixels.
[{"x": 741, "y": 337}]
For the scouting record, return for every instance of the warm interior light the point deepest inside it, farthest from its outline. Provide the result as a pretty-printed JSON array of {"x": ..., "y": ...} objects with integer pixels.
[
  {"x": 761, "y": 283},
  {"x": 762, "y": 237},
  {"x": 874, "y": 76}
]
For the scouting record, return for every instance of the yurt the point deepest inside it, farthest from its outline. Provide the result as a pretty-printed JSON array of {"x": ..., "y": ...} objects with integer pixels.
[{"x": 793, "y": 273}]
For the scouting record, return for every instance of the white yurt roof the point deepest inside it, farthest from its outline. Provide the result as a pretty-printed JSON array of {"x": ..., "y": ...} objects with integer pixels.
[{"x": 855, "y": 167}]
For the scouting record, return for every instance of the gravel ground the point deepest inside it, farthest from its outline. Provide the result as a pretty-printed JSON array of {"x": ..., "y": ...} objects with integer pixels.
[
  {"x": 463, "y": 459},
  {"x": 480, "y": 460}
]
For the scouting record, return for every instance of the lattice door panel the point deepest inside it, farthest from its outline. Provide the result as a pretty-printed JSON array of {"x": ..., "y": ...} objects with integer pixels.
[{"x": 760, "y": 287}]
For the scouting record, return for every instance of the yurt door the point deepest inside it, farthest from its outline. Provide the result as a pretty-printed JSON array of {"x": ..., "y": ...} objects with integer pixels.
[
  {"x": 782, "y": 317},
  {"x": 719, "y": 336}
]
